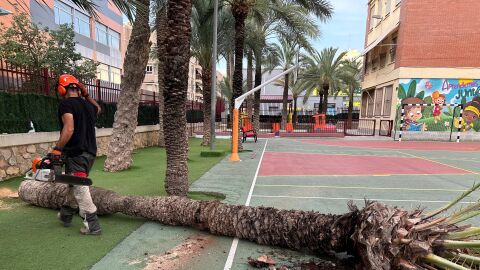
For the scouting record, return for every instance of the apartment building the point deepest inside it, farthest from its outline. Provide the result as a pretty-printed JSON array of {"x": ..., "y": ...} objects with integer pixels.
[
  {"x": 420, "y": 50},
  {"x": 97, "y": 39}
]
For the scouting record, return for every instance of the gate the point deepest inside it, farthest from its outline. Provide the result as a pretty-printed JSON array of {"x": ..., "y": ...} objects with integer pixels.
[
  {"x": 386, "y": 127},
  {"x": 362, "y": 127}
]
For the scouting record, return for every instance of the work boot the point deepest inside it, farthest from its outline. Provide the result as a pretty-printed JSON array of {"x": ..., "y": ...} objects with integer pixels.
[
  {"x": 66, "y": 215},
  {"x": 91, "y": 226}
]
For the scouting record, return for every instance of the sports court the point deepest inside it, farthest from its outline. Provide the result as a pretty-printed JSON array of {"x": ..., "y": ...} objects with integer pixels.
[{"x": 309, "y": 174}]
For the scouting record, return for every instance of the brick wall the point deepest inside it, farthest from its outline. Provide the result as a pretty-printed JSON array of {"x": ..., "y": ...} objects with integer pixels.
[{"x": 439, "y": 33}]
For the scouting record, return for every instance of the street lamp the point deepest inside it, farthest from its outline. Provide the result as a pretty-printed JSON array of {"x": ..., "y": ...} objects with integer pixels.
[{"x": 214, "y": 77}]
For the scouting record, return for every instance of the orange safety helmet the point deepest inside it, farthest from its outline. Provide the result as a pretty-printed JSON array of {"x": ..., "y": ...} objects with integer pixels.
[{"x": 66, "y": 80}]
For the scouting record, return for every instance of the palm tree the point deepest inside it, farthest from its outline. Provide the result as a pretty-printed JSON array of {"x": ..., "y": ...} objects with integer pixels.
[
  {"x": 351, "y": 77},
  {"x": 284, "y": 56},
  {"x": 161, "y": 32},
  {"x": 288, "y": 21},
  {"x": 177, "y": 59},
  {"x": 378, "y": 236},
  {"x": 296, "y": 89},
  {"x": 323, "y": 73},
  {"x": 202, "y": 35},
  {"x": 120, "y": 147}
]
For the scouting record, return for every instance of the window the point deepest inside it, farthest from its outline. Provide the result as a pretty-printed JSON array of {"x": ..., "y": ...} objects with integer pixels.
[
  {"x": 81, "y": 24},
  {"x": 378, "y": 101},
  {"x": 379, "y": 11},
  {"x": 383, "y": 60},
  {"x": 115, "y": 76},
  {"x": 101, "y": 33},
  {"x": 388, "y": 6},
  {"x": 63, "y": 13},
  {"x": 114, "y": 39},
  {"x": 371, "y": 103},
  {"x": 393, "y": 50},
  {"x": 102, "y": 72},
  {"x": 372, "y": 20},
  {"x": 387, "y": 105},
  {"x": 364, "y": 104},
  {"x": 149, "y": 69}
]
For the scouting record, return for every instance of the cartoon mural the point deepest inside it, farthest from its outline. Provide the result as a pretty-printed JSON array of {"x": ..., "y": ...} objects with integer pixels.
[{"x": 440, "y": 93}]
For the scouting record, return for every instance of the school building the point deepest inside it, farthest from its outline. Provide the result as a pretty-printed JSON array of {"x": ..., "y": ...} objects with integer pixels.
[
  {"x": 97, "y": 39},
  {"x": 415, "y": 48}
]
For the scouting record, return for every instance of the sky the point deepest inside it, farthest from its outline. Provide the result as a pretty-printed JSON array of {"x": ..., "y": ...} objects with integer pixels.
[{"x": 345, "y": 30}]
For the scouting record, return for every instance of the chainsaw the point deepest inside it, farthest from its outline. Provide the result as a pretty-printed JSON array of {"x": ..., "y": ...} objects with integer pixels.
[{"x": 50, "y": 169}]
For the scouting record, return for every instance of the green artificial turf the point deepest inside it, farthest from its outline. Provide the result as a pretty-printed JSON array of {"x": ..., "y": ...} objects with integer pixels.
[{"x": 32, "y": 237}]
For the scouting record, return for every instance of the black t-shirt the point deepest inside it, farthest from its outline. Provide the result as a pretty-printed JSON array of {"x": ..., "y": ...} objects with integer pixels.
[{"x": 84, "y": 118}]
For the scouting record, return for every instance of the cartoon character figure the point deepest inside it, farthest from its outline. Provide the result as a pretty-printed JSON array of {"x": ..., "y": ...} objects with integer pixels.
[
  {"x": 438, "y": 101},
  {"x": 413, "y": 114},
  {"x": 471, "y": 113}
]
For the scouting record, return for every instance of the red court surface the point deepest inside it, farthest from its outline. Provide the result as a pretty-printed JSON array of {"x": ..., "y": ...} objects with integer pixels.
[
  {"x": 427, "y": 146},
  {"x": 289, "y": 164}
]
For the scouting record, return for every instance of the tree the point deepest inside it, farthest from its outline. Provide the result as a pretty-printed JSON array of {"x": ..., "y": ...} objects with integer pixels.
[
  {"x": 351, "y": 77},
  {"x": 121, "y": 145},
  {"x": 27, "y": 44},
  {"x": 284, "y": 55},
  {"x": 160, "y": 51},
  {"x": 378, "y": 236},
  {"x": 202, "y": 36},
  {"x": 296, "y": 89},
  {"x": 323, "y": 73},
  {"x": 176, "y": 83}
]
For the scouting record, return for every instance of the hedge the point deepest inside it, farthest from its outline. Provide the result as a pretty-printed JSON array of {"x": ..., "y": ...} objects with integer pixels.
[{"x": 18, "y": 110}]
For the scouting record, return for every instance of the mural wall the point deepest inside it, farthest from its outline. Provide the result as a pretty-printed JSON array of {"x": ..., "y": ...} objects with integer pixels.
[{"x": 440, "y": 116}]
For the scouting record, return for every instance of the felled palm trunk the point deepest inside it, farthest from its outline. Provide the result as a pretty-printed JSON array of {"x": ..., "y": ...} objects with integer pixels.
[
  {"x": 161, "y": 27},
  {"x": 176, "y": 83},
  {"x": 119, "y": 153},
  {"x": 207, "y": 104},
  {"x": 380, "y": 237}
]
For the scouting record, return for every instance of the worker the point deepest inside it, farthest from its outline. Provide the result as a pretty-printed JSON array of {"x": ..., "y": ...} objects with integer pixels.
[{"x": 77, "y": 145}]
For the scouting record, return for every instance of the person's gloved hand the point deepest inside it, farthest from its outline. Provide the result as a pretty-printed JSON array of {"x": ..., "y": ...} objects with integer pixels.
[
  {"x": 83, "y": 90},
  {"x": 55, "y": 155}
]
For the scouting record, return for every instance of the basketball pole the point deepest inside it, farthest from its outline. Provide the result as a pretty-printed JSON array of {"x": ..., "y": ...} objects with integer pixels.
[{"x": 236, "y": 110}]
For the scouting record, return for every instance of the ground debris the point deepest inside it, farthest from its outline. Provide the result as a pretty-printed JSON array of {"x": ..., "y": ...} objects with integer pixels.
[
  {"x": 261, "y": 262},
  {"x": 8, "y": 193}
]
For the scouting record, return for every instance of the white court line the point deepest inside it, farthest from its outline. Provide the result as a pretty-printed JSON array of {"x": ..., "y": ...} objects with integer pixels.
[
  {"x": 365, "y": 188},
  {"x": 233, "y": 248},
  {"x": 355, "y": 199}
]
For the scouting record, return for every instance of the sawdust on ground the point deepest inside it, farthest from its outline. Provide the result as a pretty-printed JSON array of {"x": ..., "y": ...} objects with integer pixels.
[
  {"x": 6, "y": 193},
  {"x": 179, "y": 256}
]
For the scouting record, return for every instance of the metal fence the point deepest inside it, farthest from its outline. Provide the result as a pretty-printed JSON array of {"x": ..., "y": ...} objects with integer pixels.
[{"x": 23, "y": 79}]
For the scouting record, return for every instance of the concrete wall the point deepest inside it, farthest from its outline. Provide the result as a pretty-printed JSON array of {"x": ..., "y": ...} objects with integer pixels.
[{"x": 18, "y": 150}]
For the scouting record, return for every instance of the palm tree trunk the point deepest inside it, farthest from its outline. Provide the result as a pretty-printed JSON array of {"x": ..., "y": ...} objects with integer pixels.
[
  {"x": 380, "y": 237},
  {"x": 120, "y": 147},
  {"x": 285, "y": 102},
  {"x": 240, "y": 14},
  {"x": 264, "y": 225},
  {"x": 176, "y": 83},
  {"x": 249, "y": 84},
  {"x": 207, "y": 101},
  {"x": 350, "y": 108},
  {"x": 294, "y": 116},
  {"x": 256, "y": 106},
  {"x": 325, "y": 102},
  {"x": 320, "y": 103},
  {"x": 161, "y": 27}
]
